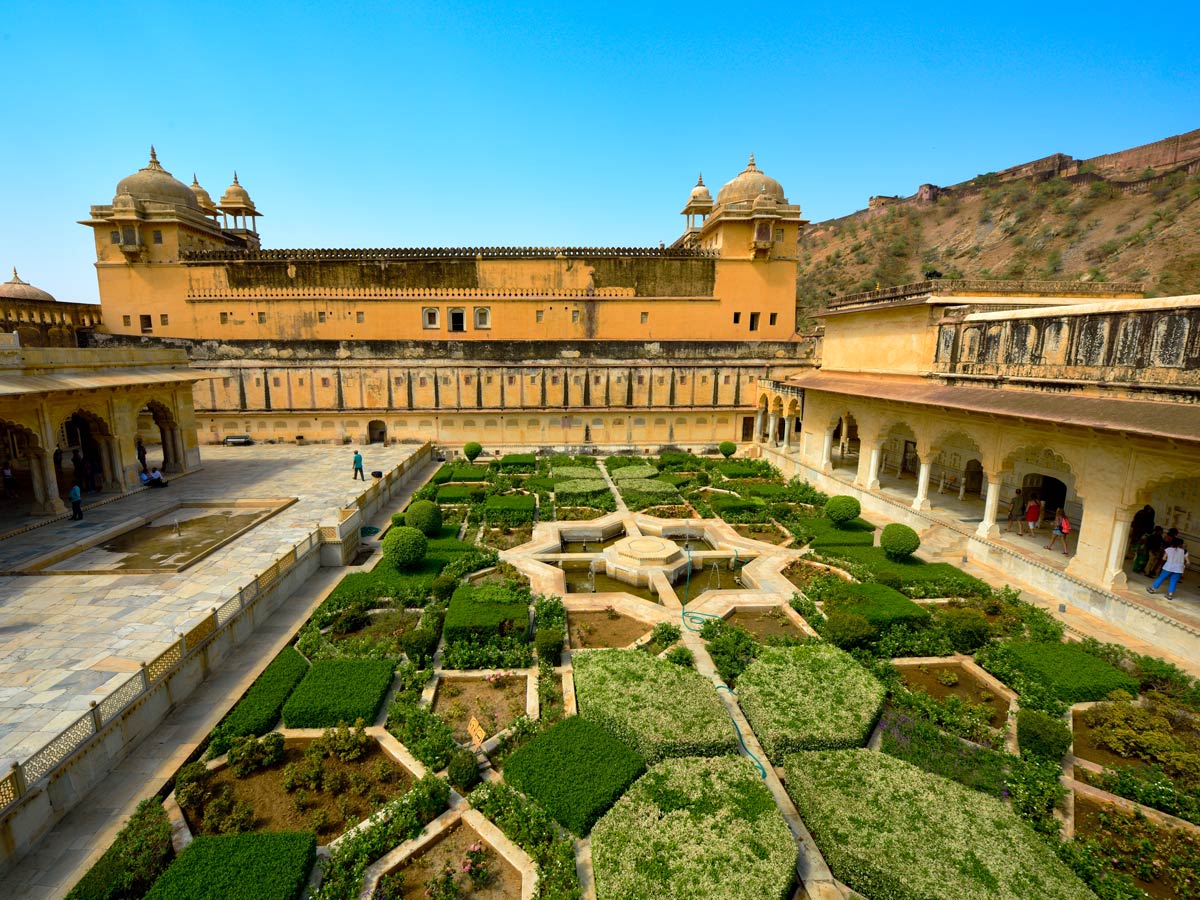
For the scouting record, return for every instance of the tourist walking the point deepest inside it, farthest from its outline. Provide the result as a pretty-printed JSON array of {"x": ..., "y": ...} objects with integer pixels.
[
  {"x": 58, "y": 454},
  {"x": 141, "y": 454},
  {"x": 1174, "y": 564},
  {"x": 1142, "y": 523},
  {"x": 1033, "y": 512},
  {"x": 1014, "y": 512},
  {"x": 358, "y": 469},
  {"x": 1155, "y": 544},
  {"x": 1062, "y": 527},
  {"x": 10, "y": 480},
  {"x": 76, "y": 498}
]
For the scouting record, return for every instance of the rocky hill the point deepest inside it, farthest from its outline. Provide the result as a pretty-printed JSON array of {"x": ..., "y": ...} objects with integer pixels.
[{"x": 1128, "y": 216}]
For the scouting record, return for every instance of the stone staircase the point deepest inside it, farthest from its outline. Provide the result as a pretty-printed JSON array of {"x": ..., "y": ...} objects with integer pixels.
[{"x": 944, "y": 544}]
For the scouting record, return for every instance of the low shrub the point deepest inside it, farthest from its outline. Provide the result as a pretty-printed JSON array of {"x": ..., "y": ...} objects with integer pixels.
[
  {"x": 576, "y": 771},
  {"x": 443, "y": 586},
  {"x": 899, "y": 541},
  {"x": 913, "y": 577},
  {"x": 249, "y": 754},
  {"x": 138, "y": 855},
  {"x": 1071, "y": 673},
  {"x": 727, "y": 448},
  {"x": 735, "y": 509},
  {"x": 883, "y": 607},
  {"x": 486, "y": 611},
  {"x": 423, "y": 732},
  {"x": 639, "y": 471},
  {"x": 548, "y": 643},
  {"x": 889, "y": 829},
  {"x": 472, "y": 449},
  {"x": 813, "y": 697},
  {"x": 464, "y": 770},
  {"x": 258, "y": 710},
  {"x": 655, "y": 707},
  {"x": 240, "y": 867},
  {"x": 419, "y": 645},
  {"x": 339, "y": 690},
  {"x": 425, "y": 516},
  {"x": 518, "y": 462},
  {"x": 1039, "y": 734},
  {"x": 747, "y": 468},
  {"x": 404, "y": 547},
  {"x": 966, "y": 628},
  {"x": 534, "y": 831},
  {"x": 665, "y": 634},
  {"x": 848, "y": 631},
  {"x": 400, "y": 821},
  {"x": 461, "y": 493},
  {"x": 820, "y": 532},
  {"x": 614, "y": 463},
  {"x": 510, "y": 510},
  {"x": 842, "y": 510},
  {"x": 730, "y": 647},
  {"x": 681, "y": 656}
]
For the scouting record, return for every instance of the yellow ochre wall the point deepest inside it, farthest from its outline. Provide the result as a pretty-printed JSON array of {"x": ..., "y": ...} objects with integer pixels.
[{"x": 896, "y": 341}]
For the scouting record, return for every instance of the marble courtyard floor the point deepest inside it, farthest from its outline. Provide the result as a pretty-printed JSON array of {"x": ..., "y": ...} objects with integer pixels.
[{"x": 66, "y": 640}]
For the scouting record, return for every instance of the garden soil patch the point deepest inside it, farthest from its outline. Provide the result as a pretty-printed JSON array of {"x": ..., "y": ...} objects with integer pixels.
[
  {"x": 1087, "y": 826},
  {"x": 451, "y": 851},
  {"x": 768, "y": 534},
  {"x": 764, "y": 624},
  {"x": 506, "y": 539},
  {"x": 275, "y": 809},
  {"x": 599, "y": 629},
  {"x": 458, "y": 700},
  {"x": 389, "y": 626},
  {"x": 969, "y": 688},
  {"x": 1084, "y": 746}
]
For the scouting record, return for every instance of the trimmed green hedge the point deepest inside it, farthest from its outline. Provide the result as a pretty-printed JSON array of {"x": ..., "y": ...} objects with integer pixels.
[
  {"x": 913, "y": 577},
  {"x": 882, "y": 606},
  {"x": 576, "y": 771},
  {"x": 511, "y": 509},
  {"x": 258, "y": 710},
  {"x": 485, "y": 611},
  {"x": 1071, "y": 673},
  {"x": 339, "y": 690},
  {"x": 139, "y": 854},
  {"x": 240, "y": 867},
  {"x": 747, "y": 468},
  {"x": 821, "y": 532},
  {"x": 461, "y": 493},
  {"x": 518, "y": 462}
]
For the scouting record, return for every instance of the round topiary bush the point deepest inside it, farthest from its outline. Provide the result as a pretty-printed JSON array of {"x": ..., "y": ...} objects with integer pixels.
[
  {"x": 899, "y": 541},
  {"x": 1042, "y": 735},
  {"x": 727, "y": 448},
  {"x": 842, "y": 510},
  {"x": 848, "y": 630},
  {"x": 967, "y": 628},
  {"x": 404, "y": 547},
  {"x": 425, "y": 516},
  {"x": 443, "y": 587},
  {"x": 472, "y": 449}
]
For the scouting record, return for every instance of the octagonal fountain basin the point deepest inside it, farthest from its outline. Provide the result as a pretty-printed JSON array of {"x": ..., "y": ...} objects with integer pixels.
[
  {"x": 583, "y": 577},
  {"x": 582, "y": 539}
]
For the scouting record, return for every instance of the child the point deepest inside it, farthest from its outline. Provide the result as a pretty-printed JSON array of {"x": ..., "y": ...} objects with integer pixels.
[
  {"x": 1174, "y": 564},
  {"x": 1062, "y": 527}
]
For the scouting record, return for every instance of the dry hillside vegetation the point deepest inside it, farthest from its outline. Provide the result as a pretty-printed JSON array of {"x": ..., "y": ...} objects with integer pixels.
[{"x": 1053, "y": 230}]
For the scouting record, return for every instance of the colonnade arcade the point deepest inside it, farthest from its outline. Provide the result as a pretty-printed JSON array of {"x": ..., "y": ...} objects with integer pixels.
[
  {"x": 968, "y": 467},
  {"x": 88, "y": 438}
]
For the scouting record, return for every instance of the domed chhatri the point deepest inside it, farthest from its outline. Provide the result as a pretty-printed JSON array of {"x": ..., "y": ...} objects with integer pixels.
[
  {"x": 237, "y": 197},
  {"x": 16, "y": 289},
  {"x": 749, "y": 185},
  {"x": 700, "y": 192},
  {"x": 203, "y": 198},
  {"x": 155, "y": 183}
]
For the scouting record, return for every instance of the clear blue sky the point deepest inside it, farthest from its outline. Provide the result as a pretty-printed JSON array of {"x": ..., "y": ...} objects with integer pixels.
[{"x": 552, "y": 123}]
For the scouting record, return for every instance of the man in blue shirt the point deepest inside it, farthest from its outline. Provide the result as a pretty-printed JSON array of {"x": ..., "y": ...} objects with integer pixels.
[
  {"x": 76, "y": 497},
  {"x": 358, "y": 469}
]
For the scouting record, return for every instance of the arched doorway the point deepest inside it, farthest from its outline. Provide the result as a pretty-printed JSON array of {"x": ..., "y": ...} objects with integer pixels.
[
  {"x": 1046, "y": 488},
  {"x": 844, "y": 453},
  {"x": 157, "y": 416},
  {"x": 973, "y": 476},
  {"x": 86, "y": 459},
  {"x": 377, "y": 431}
]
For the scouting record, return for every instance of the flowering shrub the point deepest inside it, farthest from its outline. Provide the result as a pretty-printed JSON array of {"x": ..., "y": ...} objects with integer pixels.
[
  {"x": 657, "y": 708},
  {"x": 695, "y": 829},
  {"x": 814, "y": 697},
  {"x": 894, "y": 832}
]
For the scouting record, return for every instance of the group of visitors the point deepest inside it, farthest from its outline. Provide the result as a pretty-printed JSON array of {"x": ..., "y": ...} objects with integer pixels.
[
  {"x": 1162, "y": 555},
  {"x": 1028, "y": 512}
]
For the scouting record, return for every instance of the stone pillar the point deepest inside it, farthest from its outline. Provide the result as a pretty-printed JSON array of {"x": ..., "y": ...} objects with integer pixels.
[
  {"x": 827, "y": 451},
  {"x": 873, "y": 469},
  {"x": 165, "y": 444},
  {"x": 118, "y": 468},
  {"x": 106, "y": 471},
  {"x": 772, "y": 428},
  {"x": 921, "y": 501},
  {"x": 180, "y": 453},
  {"x": 53, "y": 504},
  {"x": 1114, "y": 572},
  {"x": 39, "y": 485},
  {"x": 962, "y": 485},
  {"x": 758, "y": 424},
  {"x": 787, "y": 434},
  {"x": 987, "y": 528}
]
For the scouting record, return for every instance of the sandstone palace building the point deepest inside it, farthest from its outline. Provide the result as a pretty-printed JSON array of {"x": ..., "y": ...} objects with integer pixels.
[{"x": 934, "y": 402}]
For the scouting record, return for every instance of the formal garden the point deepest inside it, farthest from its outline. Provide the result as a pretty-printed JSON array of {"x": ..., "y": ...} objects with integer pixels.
[{"x": 445, "y": 727}]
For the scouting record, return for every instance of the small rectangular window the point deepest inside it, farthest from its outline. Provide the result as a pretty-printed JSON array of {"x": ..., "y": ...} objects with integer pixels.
[
  {"x": 641, "y": 379},
  {"x": 300, "y": 382},
  {"x": 773, "y": 319},
  {"x": 537, "y": 316},
  {"x": 779, "y": 234},
  {"x": 398, "y": 380},
  {"x": 162, "y": 319},
  {"x": 458, "y": 320},
  {"x": 483, "y": 317},
  {"x": 114, "y": 237},
  {"x": 466, "y": 379},
  {"x": 554, "y": 379},
  {"x": 429, "y": 317},
  {"x": 645, "y": 317},
  {"x": 754, "y": 321},
  {"x": 275, "y": 381},
  {"x": 158, "y": 237},
  {"x": 574, "y": 315},
  {"x": 512, "y": 379},
  {"x": 737, "y": 318},
  {"x": 147, "y": 324},
  {"x": 126, "y": 320},
  {"x": 224, "y": 318},
  {"x": 262, "y": 318},
  {"x": 422, "y": 382},
  {"x": 359, "y": 318},
  {"x": 321, "y": 317},
  {"x": 727, "y": 379},
  {"x": 324, "y": 382},
  {"x": 683, "y": 379}
]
